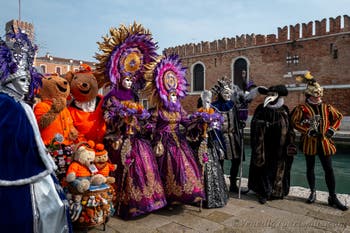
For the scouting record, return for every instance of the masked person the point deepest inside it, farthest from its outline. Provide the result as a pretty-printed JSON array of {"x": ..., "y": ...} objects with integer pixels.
[
  {"x": 231, "y": 133},
  {"x": 123, "y": 57},
  {"x": 30, "y": 196},
  {"x": 272, "y": 139},
  {"x": 166, "y": 86},
  {"x": 210, "y": 150},
  {"x": 317, "y": 122}
]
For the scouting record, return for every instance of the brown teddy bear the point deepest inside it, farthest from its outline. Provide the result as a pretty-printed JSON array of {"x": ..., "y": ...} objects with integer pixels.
[
  {"x": 102, "y": 163},
  {"x": 86, "y": 106},
  {"x": 52, "y": 113},
  {"x": 82, "y": 172}
]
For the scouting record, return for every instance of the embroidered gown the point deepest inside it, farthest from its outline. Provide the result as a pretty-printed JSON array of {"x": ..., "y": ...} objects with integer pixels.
[
  {"x": 139, "y": 187},
  {"x": 208, "y": 124},
  {"x": 178, "y": 167}
]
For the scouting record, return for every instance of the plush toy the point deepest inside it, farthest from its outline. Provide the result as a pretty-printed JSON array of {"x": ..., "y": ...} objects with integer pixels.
[
  {"x": 86, "y": 106},
  {"x": 51, "y": 112},
  {"x": 82, "y": 172},
  {"x": 101, "y": 162}
]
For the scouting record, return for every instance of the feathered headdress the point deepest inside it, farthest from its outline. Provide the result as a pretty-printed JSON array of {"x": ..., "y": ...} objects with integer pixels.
[
  {"x": 222, "y": 84},
  {"x": 164, "y": 76},
  {"x": 124, "y": 54},
  {"x": 16, "y": 59},
  {"x": 313, "y": 88}
]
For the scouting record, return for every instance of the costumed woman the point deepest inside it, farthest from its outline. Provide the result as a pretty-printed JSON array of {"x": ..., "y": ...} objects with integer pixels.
[
  {"x": 231, "y": 133},
  {"x": 272, "y": 143},
  {"x": 317, "y": 122},
  {"x": 210, "y": 150},
  {"x": 166, "y": 85},
  {"x": 122, "y": 61},
  {"x": 30, "y": 196}
]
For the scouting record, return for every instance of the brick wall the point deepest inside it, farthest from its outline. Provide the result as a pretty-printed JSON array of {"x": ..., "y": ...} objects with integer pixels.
[{"x": 325, "y": 53}]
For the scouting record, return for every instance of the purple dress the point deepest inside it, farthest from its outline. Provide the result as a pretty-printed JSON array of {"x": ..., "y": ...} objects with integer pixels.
[
  {"x": 139, "y": 188},
  {"x": 178, "y": 168}
]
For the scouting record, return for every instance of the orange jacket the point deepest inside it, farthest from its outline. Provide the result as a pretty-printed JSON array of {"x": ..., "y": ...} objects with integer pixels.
[
  {"x": 90, "y": 125},
  {"x": 106, "y": 169},
  {"x": 79, "y": 170},
  {"x": 62, "y": 124}
]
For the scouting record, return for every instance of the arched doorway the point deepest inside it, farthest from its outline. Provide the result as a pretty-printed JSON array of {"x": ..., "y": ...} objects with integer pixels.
[{"x": 240, "y": 73}]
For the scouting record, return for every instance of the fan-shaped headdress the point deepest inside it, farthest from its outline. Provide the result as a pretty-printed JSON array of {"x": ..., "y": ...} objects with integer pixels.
[
  {"x": 16, "y": 60},
  {"x": 124, "y": 54},
  {"x": 165, "y": 76},
  {"x": 313, "y": 88}
]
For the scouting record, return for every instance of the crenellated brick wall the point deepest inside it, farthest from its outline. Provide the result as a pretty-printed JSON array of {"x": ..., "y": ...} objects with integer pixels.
[
  {"x": 325, "y": 52},
  {"x": 283, "y": 35}
]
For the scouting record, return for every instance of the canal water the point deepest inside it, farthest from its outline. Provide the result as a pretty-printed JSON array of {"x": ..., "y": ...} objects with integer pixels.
[{"x": 341, "y": 167}]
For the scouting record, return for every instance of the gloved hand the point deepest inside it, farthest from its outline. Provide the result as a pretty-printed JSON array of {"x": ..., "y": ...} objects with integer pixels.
[
  {"x": 313, "y": 133},
  {"x": 330, "y": 133},
  {"x": 241, "y": 124}
]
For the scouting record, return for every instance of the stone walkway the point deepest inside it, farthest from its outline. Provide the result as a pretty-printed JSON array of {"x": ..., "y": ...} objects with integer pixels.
[{"x": 243, "y": 215}]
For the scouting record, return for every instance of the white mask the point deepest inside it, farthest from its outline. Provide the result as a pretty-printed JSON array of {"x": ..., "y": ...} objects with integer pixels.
[
  {"x": 206, "y": 97},
  {"x": 172, "y": 97},
  {"x": 226, "y": 94},
  {"x": 127, "y": 83}
]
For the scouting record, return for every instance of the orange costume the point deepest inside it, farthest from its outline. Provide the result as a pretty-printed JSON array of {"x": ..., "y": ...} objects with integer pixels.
[
  {"x": 105, "y": 170},
  {"x": 79, "y": 169},
  {"x": 62, "y": 124},
  {"x": 90, "y": 125}
]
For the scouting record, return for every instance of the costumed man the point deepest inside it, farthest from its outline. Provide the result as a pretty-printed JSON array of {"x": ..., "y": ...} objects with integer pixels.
[
  {"x": 272, "y": 139},
  {"x": 231, "y": 133},
  {"x": 30, "y": 196},
  {"x": 317, "y": 122}
]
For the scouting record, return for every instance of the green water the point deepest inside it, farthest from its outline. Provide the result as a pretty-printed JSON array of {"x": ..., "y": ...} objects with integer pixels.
[{"x": 341, "y": 167}]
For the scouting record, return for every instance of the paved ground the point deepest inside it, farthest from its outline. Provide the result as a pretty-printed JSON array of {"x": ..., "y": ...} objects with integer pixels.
[{"x": 243, "y": 215}]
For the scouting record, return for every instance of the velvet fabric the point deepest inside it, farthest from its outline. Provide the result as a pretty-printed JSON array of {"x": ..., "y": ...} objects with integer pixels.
[
  {"x": 180, "y": 172},
  {"x": 139, "y": 187}
]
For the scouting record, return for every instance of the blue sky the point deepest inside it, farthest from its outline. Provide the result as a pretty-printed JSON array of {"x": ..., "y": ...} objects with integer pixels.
[{"x": 71, "y": 28}]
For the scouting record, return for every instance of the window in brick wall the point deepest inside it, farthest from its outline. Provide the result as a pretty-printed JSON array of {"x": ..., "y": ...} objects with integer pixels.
[
  {"x": 198, "y": 78},
  {"x": 58, "y": 70},
  {"x": 240, "y": 73},
  {"x": 43, "y": 68}
]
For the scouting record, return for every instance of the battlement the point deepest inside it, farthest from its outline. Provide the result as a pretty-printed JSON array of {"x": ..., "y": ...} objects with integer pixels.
[
  {"x": 28, "y": 28},
  {"x": 285, "y": 34}
]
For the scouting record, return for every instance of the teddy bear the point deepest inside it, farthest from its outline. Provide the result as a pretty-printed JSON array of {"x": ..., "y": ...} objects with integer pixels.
[
  {"x": 51, "y": 112},
  {"x": 102, "y": 163},
  {"x": 82, "y": 172},
  {"x": 86, "y": 105}
]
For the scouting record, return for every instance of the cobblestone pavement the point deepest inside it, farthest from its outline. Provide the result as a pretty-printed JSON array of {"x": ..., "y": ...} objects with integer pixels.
[{"x": 243, "y": 215}]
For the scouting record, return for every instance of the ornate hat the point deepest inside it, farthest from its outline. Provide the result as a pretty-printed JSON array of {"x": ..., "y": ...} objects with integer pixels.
[
  {"x": 222, "y": 84},
  {"x": 165, "y": 76},
  {"x": 273, "y": 93},
  {"x": 100, "y": 149},
  {"x": 16, "y": 60},
  {"x": 313, "y": 88},
  {"x": 124, "y": 54}
]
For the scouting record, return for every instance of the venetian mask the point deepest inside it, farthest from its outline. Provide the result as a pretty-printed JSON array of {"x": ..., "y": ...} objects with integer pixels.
[
  {"x": 314, "y": 90},
  {"x": 270, "y": 98},
  {"x": 21, "y": 83},
  {"x": 127, "y": 82},
  {"x": 226, "y": 94},
  {"x": 172, "y": 97},
  {"x": 206, "y": 97}
]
